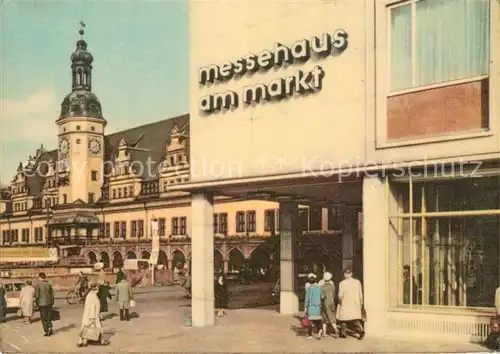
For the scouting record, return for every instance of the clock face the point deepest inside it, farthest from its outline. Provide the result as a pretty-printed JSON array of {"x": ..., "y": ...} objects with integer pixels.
[
  {"x": 63, "y": 147},
  {"x": 94, "y": 146}
]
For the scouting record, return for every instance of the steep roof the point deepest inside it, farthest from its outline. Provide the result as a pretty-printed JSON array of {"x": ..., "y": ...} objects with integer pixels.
[
  {"x": 145, "y": 142},
  {"x": 148, "y": 142}
]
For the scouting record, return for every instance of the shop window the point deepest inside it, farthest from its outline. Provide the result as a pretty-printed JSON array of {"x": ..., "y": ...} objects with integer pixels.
[
  {"x": 216, "y": 223},
  {"x": 251, "y": 222},
  {"x": 183, "y": 228},
  {"x": 117, "y": 229},
  {"x": 133, "y": 228},
  {"x": 303, "y": 219},
  {"x": 161, "y": 227},
  {"x": 123, "y": 230},
  {"x": 175, "y": 226},
  {"x": 423, "y": 53},
  {"x": 315, "y": 219},
  {"x": 140, "y": 228},
  {"x": 240, "y": 221},
  {"x": 223, "y": 223},
  {"x": 269, "y": 222},
  {"x": 25, "y": 235},
  {"x": 446, "y": 259}
]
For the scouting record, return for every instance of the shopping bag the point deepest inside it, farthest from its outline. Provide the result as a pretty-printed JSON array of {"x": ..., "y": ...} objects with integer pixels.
[
  {"x": 132, "y": 303},
  {"x": 91, "y": 332},
  {"x": 363, "y": 314},
  {"x": 304, "y": 322}
]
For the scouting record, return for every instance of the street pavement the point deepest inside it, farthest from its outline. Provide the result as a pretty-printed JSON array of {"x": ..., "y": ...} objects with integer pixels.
[{"x": 252, "y": 324}]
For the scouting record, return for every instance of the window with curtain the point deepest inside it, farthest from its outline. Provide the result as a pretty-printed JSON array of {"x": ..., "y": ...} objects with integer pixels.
[
  {"x": 447, "y": 260},
  {"x": 435, "y": 41}
]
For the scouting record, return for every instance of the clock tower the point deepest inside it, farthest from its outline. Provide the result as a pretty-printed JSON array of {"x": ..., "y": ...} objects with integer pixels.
[{"x": 81, "y": 133}]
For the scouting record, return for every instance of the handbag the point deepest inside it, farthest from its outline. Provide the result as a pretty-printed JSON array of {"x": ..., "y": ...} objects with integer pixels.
[
  {"x": 132, "y": 303},
  {"x": 91, "y": 332},
  {"x": 56, "y": 315},
  {"x": 304, "y": 322}
]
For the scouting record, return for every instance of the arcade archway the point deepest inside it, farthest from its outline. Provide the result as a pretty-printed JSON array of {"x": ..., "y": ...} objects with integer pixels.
[
  {"x": 130, "y": 255},
  {"x": 117, "y": 260},
  {"x": 178, "y": 259},
  {"x": 92, "y": 258},
  {"x": 162, "y": 259},
  {"x": 218, "y": 262},
  {"x": 145, "y": 255},
  {"x": 236, "y": 259},
  {"x": 105, "y": 259}
]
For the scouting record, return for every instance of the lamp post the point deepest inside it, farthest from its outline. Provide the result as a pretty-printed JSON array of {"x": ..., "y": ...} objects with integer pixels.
[{"x": 46, "y": 201}]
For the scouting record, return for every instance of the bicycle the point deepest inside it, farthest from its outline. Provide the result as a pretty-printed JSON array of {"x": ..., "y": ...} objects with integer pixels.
[{"x": 73, "y": 297}]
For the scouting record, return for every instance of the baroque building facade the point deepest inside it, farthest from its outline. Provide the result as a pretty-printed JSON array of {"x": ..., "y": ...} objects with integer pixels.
[{"x": 94, "y": 197}]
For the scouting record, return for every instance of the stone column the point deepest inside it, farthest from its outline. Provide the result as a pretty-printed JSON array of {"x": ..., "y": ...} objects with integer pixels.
[
  {"x": 226, "y": 266},
  {"x": 289, "y": 217},
  {"x": 202, "y": 259},
  {"x": 375, "y": 238}
]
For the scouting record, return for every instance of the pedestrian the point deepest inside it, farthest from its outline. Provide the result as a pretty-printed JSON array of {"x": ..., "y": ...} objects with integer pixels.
[
  {"x": 123, "y": 297},
  {"x": 26, "y": 300},
  {"x": 44, "y": 299},
  {"x": 104, "y": 293},
  {"x": 221, "y": 295},
  {"x": 350, "y": 304},
  {"x": 119, "y": 276},
  {"x": 328, "y": 294},
  {"x": 91, "y": 328},
  {"x": 310, "y": 278},
  {"x": 312, "y": 306},
  {"x": 3, "y": 303}
]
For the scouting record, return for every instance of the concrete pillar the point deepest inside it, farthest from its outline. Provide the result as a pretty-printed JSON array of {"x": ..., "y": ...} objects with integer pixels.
[
  {"x": 289, "y": 217},
  {"x": 202, "y": 259},
  {"x": 349, "y": 235},
  {"x": 375, "y": 241}
]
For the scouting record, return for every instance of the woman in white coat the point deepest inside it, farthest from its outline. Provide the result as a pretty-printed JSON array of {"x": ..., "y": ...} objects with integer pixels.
[
  {"x": 90, "y": 318},
  {"x": 350, "y": 304},
  {"x": 27, "y": 300}
]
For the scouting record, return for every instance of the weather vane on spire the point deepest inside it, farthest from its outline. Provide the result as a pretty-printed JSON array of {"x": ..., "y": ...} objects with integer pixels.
[{"x": 82, "y": 26}]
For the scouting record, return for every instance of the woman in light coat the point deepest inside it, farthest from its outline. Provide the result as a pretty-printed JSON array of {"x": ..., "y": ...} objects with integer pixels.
[
  {"x": 27, "y": 300},
  {"x": 90, "y": 318},
  {"x": 350, "y": 304}
]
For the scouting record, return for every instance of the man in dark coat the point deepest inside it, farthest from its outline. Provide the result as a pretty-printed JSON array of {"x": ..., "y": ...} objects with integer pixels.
[
  {"x": 3, "y": 303},
  {"x": 119, "y": 276},
  {"x": 44, "y": 299}
]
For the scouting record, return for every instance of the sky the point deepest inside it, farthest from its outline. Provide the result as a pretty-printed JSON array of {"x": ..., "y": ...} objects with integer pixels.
[{"x": 140, "y": 68}]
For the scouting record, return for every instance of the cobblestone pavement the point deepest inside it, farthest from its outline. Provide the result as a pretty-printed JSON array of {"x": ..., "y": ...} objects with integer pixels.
[{"x": 159, "y": 328}]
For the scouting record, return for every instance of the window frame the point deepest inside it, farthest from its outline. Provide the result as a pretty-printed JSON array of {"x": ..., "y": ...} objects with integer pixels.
[{"x": 390, "y": 92}]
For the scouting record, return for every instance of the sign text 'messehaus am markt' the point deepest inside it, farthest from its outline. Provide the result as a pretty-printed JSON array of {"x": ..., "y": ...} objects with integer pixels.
[{"x": 301, "y": 82}]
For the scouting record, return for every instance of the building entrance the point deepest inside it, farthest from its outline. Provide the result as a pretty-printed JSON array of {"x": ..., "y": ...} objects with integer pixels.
[{"x": 319, "y": 230}]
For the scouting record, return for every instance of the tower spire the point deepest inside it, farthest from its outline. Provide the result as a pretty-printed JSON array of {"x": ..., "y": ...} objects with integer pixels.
[{"x": 81, "y": 64}]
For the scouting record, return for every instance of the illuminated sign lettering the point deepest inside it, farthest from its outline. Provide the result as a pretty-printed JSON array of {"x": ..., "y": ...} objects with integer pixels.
[{"x": 302, "y": 82}]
